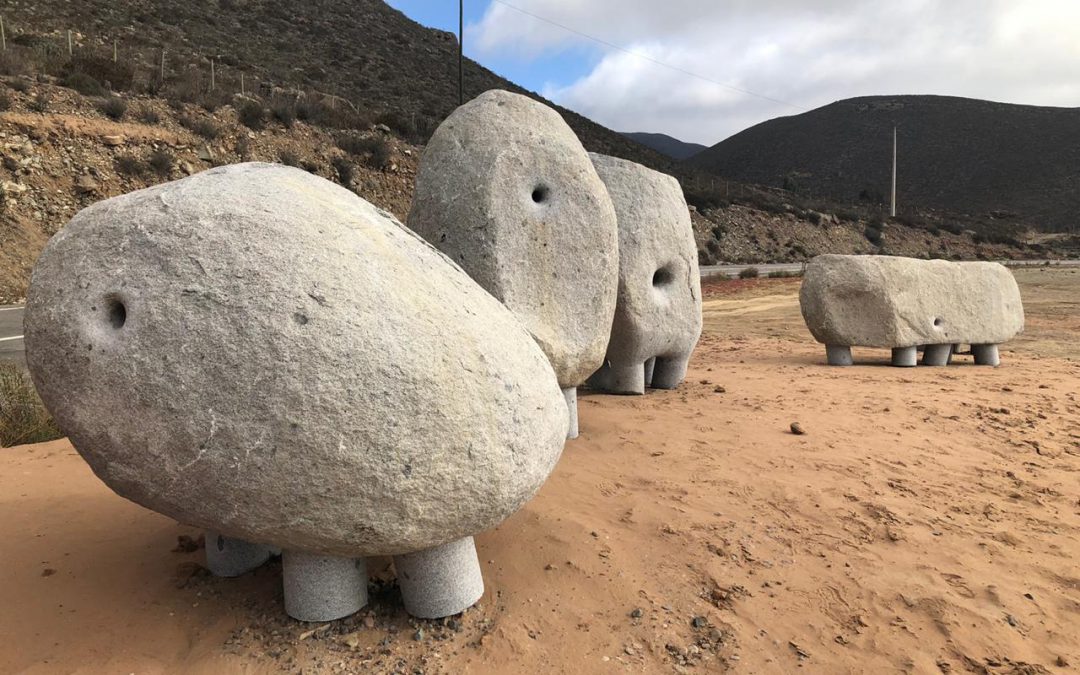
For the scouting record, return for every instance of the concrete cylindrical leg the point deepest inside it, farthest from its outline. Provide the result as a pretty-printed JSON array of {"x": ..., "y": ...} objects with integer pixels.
[
  {"x": 619, "y": 379},
  {"x": 985, "y": 355},
  {"x": 838, "y": 355},
  {"x": 650, "y": 365},
  {"x": 905, "y": 357},
  {"x": 571, "y": 404},
  {"x": 322, "y": 588},
  {"x": 937, "y": 355},
  {"x": 228, "y": 557},
  {"x": 440, "y": 581},
  {"x": 668, "y": 373}
]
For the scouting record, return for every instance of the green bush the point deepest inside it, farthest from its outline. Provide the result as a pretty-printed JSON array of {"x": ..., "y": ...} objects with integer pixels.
[
  {"x": 5, "y": 101},
  {"x": 148, "y": 115},
  {"x": 376, "y": 151},
  {"x": 344, "y": 168},
  {"x": 101, "y": 69},
  {"x": 23, "y": 418},
  {"x": 749, "y": 273},
  {"x": 201, "y": 126},
  {"x": 129, "y": 165},
  {"x": 41, "y": 102},
  {"x": 873, "y": 235}
]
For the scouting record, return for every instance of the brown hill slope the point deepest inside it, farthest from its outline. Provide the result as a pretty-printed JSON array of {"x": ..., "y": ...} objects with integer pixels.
[
  {"x": 961, "y": 155},
  {"x": 363, "y": 50}
]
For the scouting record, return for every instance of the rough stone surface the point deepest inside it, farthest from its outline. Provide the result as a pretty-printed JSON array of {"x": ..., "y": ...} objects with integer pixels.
[
  {"x": 658, "y": 314},
  {"x": 506, "y": 189},
  {"x": 571, "y": 405},
  {"x": 440, "y": 581},
  {"x": 228, "y": 557},
  {"x": 257, "y": 351},
  {"x": 887, "y": 301},
  {"x": 322, "y": 588}
]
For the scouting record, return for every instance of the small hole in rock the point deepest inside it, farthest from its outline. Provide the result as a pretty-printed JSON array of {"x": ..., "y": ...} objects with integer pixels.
[
  {"x": 937, "y": 321},
  {"x": 300, "y": 319},
  {"x": 117, "y": 314},
  {"x": 662, "y": 277},
  {"x": 540, "y": 194}
]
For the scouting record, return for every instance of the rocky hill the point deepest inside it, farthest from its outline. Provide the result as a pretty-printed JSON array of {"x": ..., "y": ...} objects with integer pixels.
[
  {"x": 978, "y": 159},
  {"x": 363, "y": 51},
  {"x": 667, "y": 145}
]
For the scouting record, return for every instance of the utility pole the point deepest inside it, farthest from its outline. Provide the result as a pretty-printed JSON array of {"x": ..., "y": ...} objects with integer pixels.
[
  {"x": 461, "y": 52},
  {"x": 892, "y": 201}
]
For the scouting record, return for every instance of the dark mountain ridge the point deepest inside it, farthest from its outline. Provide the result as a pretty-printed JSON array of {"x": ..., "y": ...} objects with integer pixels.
[
  {"x": 668, "y": 145},
  {"x": 961, "y": 155}
]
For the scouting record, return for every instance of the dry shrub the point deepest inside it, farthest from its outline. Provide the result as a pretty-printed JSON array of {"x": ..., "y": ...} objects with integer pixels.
[{"x": 23, "y": 417}]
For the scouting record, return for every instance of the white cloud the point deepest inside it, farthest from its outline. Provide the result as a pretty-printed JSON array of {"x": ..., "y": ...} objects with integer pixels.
[{"x": 805, "y": 53}]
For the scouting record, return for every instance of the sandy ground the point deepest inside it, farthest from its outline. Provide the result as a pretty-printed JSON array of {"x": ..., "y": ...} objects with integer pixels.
[{"x": 927, "y": 521}]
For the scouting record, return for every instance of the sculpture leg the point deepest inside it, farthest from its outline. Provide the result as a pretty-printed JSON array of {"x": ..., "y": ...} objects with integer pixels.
[
  {"x": 905, "y": 357},
  {"x": 619, "y": 379},
  {"x": 650, "y": 365},
  {"x": 668, "y": 373},
  {"x": 838, "y": 355},
  {"x": 937, "y": 355},
  {"x": 228, "y": 557},
  {"x": 322, "y": 588},
  {"x": 571, "y": 404},
  {"x": 440, "y": 581},
  {"x": 985, "y": 355}
]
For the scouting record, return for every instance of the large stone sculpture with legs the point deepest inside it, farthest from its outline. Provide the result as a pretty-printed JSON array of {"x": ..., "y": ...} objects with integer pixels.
[
  {"x": 905, "y": 304},
  {"x": 261, "y": 353},
  {"x": 506, "y": 189},
  {"x": 658, "y": 315}
]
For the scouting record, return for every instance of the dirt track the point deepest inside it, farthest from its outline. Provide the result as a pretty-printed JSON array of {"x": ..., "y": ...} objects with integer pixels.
[{"x": 928, "y": 521}]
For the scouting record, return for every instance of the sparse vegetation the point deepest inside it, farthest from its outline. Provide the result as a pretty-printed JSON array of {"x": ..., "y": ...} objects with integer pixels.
[
  {"x": 374, "y": 150},
  {"x": 289, "y": 158},
  {"x": 40, "y": 102},
  {"x": 20, "y": 85},
  {"x": 252, "y": 115},
  {"x": 200, "y": 126},
  {"x": 749, "y": 273},
  {"x": 83, "y": 83},
  {"x": 873, "y": 234},
  {"x": 129, "y": 165},
  {"x": 344, "y": 169},
  {"x": 23, "y": 418},
  {"x": 161, "y": 161},
  {"x": 284, "y": 112},
  {"x": 5, "y": 101},
  {"x": 113, "y": 107},
  {"x": 148, "y": 115},
  {"x": 784, "y": 274}
]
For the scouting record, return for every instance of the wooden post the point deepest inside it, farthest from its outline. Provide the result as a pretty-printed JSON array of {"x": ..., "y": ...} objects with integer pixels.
[
  {"x": 163, "y": 64},
  {"x": 241, "y": 84},
  {"x": 69, "y": 43},
  {"x": 114, "y": 51},
  {"x": 3, "y": 36},
  {"x": 213, "y": 80},
  {"x": 461, "y": 52},
  {"x": 892, "y": 197}
]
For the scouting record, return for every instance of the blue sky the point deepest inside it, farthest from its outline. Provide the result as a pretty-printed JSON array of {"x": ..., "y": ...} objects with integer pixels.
[
  {"x": 702, "y": 70},
  {"x": 549, "y": 70}
]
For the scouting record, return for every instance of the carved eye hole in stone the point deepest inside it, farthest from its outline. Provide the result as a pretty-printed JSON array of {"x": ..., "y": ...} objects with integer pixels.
[
  {"x": 937, "y": 322},
  {"x": 117, "y": 313},
  {"x": 540, "y": 194},
  {"x": 662, "y": 277}
]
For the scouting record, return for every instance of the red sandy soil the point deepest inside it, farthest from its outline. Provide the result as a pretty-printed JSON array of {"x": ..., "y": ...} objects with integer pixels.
[{"x": 927, "y": 521}]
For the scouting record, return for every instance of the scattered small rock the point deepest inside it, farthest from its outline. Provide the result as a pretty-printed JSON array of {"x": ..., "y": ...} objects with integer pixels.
[
  {"x": 186, "y": 544},
  {"x": 113, "y": 141},
  {"x": 48, "y": 572},
  {"x": 797, "y": 429},
  {"x": 699, "y": 622},
  {"x": 719, "y": 389},
  {"x": 636, "y": 613}
]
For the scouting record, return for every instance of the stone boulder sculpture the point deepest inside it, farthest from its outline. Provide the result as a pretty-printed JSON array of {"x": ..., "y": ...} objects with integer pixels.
[
  {"x": 658, "y": 315},
  {"x": 506, "y": 189},
  {"x": 259, "y": 352},
  {"x": 905, "y": 304}
]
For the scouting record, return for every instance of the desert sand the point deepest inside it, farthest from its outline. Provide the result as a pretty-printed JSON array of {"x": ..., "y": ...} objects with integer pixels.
[{"x": 928, "y": 520}]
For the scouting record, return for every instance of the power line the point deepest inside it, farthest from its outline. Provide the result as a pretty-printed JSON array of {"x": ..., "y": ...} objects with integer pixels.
[{"x": 647, "y": 58}]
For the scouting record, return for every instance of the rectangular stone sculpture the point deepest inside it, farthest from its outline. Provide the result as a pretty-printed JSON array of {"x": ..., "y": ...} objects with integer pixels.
[{"x": 905, "y": 304}]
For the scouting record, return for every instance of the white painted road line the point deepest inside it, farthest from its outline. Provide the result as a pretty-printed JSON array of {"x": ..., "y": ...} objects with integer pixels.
[
  {"x": 9, "y": 309},
  {"x": 13, "y": 337}
]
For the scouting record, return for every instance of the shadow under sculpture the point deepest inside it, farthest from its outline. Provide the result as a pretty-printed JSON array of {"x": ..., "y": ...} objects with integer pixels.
[{"x": 258, "y": 352}]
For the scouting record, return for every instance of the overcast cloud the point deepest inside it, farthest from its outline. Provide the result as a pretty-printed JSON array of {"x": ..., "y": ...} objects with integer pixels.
[{"x": 804, "y": 52}]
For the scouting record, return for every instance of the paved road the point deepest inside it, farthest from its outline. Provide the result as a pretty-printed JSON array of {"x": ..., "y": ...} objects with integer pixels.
[
  {"x": 732, "y": 271},
  {"x": 11, "y": 343}
]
